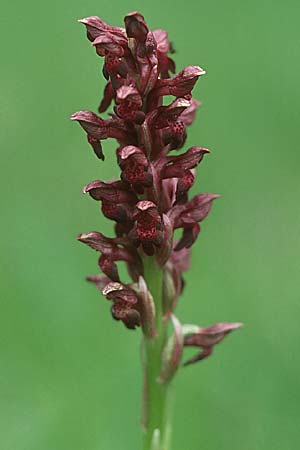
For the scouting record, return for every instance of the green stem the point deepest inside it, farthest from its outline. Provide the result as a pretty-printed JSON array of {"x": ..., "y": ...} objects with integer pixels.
[{"x": 156, "y": 402}]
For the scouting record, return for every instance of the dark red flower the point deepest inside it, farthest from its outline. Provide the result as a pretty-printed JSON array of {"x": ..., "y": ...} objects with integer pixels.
[
  {"x": 111, "y": 43},
  {"x": 163, "y": 116},
  {"x": 148, "y": 228},
  {"x": 110, "y": 251},
  {"x": 98, "y": 129},
  {"x": 206, "y": 338},
  {"x": 106, "y": 38},
  {"x": 113, "y": 191},
  {"x": 129, "y": 103},
  {"x": 188, "y": 215},
  {"x": 171, "y": 121},
  {"x": 124, "y": 304},
  {"x": 175, "y": 166},
  {"x": 135, "y": 167},
  {"x": 179, "y": 86},
  {"x": 117, "y": 200},
  {"x": 92, "y": 124},
  {"x": 180, "y": 167}
]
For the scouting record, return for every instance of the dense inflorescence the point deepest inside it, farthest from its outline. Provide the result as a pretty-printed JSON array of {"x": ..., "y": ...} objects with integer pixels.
[{"x": 151, "y": 199}]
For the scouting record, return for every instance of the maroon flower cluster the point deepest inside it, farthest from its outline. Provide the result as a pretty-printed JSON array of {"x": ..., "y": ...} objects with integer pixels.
[{"x": 151, "y": 199}]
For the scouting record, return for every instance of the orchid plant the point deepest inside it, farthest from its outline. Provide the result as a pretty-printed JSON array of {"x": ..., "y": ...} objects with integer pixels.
[{"x": 148, "y": 204}]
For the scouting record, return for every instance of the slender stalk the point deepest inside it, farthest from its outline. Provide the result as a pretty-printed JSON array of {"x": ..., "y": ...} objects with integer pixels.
[{"x": 156, "y": 406}]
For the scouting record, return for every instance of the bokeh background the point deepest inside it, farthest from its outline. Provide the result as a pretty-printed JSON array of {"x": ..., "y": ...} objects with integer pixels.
[{"x": 70, "y": 376}]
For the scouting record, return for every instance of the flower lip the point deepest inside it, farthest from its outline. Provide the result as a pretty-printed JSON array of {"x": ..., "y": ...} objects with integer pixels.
[
  {"x": 107, "y": 98},
  {"x": 97, "y": 147}
]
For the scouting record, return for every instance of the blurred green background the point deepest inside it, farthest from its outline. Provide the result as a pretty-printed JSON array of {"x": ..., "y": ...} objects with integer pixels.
[{"x": 70, "y": 376}]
